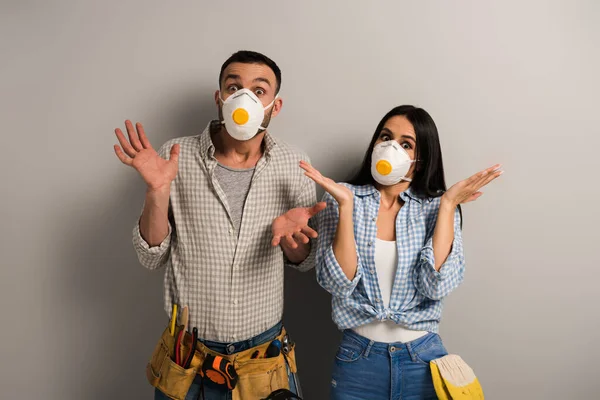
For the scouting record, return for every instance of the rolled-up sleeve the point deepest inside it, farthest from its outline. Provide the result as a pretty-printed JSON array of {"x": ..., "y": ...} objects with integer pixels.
[
  {"x": 434, "y": 284},
  {"x": 329, "y": 272},
  {"x": 306, "y": 198},
  {"x": 151, "y": 257}
]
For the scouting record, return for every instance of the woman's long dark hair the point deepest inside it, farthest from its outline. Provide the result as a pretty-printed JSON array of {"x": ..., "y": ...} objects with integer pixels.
[{"x": 428, "y": 179}]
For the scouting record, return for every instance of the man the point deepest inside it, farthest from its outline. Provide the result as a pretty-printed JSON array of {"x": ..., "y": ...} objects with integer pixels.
[{"x": 224, "y": 212}]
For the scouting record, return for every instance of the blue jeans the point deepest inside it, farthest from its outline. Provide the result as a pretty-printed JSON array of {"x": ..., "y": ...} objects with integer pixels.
[
  {"x": 368, "y": 370},
  {"x": 205, "y": 389}
]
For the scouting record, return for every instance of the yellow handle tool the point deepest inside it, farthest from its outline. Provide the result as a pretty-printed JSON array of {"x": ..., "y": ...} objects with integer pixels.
[{"x": 173, "y": 320}]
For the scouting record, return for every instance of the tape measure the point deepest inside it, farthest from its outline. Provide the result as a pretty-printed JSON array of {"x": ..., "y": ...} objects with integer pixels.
[{"x": 220, "y": 371}]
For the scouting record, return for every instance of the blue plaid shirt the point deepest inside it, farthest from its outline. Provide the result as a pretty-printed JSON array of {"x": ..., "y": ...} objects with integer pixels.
[{"x": 418, "y": 289}]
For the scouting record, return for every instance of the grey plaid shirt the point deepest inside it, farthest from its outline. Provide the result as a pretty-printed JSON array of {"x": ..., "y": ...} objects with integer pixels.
[{"x": 233, "y": 284}]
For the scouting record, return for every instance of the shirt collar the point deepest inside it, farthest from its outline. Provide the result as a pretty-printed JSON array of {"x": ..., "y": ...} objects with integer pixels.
[
  {"x": 408, "y": 193},
  {"x": 364, "y": 190},
  {"x": 207, "y": 147}
]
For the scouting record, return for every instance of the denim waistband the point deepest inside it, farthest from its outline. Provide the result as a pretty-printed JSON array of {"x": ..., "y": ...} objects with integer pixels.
[
  {"x": 232, "y": 348},
  {"x": 384, "y": 348}
]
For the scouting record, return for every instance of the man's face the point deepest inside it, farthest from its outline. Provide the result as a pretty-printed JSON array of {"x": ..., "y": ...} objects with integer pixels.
[{"x": 258, "y": 78}]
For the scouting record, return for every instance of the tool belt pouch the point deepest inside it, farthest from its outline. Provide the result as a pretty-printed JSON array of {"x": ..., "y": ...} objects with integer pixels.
[
  {"x": 259, "y": 377},
  {"x": 453, "y": 379},
  {"x": 164, "y": 373}
]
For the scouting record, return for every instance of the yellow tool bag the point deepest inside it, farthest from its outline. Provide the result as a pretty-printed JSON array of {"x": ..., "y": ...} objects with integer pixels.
[
  {"x": 257, "y": 377},
  {"x": 453, "y": 379}
]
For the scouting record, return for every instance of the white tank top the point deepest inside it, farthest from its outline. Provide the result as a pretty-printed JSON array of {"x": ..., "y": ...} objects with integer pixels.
[{"x": 386, "y": 263}]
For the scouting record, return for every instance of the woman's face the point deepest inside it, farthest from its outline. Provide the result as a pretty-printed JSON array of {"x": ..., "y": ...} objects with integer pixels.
[{"x": 400, "y": 129}]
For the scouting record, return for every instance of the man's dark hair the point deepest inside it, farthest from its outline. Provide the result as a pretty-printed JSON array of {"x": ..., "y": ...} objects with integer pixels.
[{"x": 252, "y": 57}]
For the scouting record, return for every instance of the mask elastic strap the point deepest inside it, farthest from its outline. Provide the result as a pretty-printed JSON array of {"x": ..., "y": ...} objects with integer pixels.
[
  {"x": 261, "y": 128},
  {"x": 271, "y": 103},
  {"x": 268, "y": 106},
  {"x": 408, "y": 179}
]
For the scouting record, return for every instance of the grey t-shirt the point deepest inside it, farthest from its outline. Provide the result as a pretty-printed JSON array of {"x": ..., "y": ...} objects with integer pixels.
[{"x": 236, "y": 184}]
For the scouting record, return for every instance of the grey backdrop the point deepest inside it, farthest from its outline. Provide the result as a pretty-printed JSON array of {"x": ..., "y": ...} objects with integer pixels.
[{"x": 513, "y": 82}]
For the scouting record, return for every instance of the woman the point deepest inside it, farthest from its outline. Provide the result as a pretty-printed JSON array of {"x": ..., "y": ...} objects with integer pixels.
[{"x": 389, "y": 250}]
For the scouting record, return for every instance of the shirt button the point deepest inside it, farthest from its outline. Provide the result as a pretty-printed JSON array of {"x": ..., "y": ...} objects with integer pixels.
[
  {"x": 370, "y": 244},
  {"x": 230, "y": 230},
  {"x": 372, "y": 270},
  {"x": 374, "y": 219},
  {"x": 235, "y": 301}
]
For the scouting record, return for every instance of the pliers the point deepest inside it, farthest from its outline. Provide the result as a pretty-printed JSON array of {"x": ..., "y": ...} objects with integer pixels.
[{"x": 190, "y": 356}]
